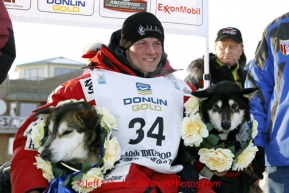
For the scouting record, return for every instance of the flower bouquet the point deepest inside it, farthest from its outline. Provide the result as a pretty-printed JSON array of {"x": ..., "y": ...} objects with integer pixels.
[
  {"x": 90, "y": 176},
  {"x": 215, "y": 153}
]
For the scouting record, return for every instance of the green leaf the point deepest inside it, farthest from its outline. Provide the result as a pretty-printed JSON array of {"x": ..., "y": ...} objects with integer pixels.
[
  {"x": 211, "y": 141},
  {"x": 66, "y": 181},
  {"x": 206, "y": 144},
  {"x": 87, "y": 104},
  {"x": 196, "y": 149},
  {"x": 238, "y": 153},
  {"x": 210, "y": 126},
  {"x": 43, "y": 141},
  {"x": 100, "y": 162},
  {"x": 45, "y": 130},
  {"x": 78, "y": 177},
  {"x": 58, "y": 172},
  {"x": 221, "y": 145},
  {"x": 100, "y": 116},
  {"x": 45, "y": 137},
  {"x": 244, "y": 145},
  {"x": 201, "y": 114},
  {"x": 249, "y": 132},
  {"x": 85, "y": 167},
  {"x": 232, "y": 149},
  {"x": 102, "y": 137}
]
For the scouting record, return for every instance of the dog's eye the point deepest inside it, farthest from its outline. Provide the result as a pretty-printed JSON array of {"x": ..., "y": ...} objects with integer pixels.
[
  {"x": 216, "y": 107},
  {"x": 67, "y": 132},
  {"x": 235, "y": 106}
]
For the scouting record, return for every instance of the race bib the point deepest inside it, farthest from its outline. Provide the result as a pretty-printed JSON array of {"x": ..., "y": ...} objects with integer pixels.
[{"x": 148, "y": 111}]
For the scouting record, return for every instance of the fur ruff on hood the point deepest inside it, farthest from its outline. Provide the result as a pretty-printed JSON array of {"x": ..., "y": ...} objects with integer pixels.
[{"x": 91, "y": 49}]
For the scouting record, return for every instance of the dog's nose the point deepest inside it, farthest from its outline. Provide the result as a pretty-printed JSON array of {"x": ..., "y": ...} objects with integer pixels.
[
  {"x": 45, "y": 154},
  {"x": 226, "y": 125}
]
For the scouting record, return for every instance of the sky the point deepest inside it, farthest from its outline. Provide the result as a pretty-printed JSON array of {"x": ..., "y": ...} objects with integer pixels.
[{"x": 36, "y": 41}]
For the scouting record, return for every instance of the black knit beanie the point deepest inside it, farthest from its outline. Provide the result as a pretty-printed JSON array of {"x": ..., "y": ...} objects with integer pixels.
[{"x": 138, "y": 26}]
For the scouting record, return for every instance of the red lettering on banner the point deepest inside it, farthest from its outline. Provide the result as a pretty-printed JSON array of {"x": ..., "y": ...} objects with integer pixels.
[{"x": 178, "y": 9}]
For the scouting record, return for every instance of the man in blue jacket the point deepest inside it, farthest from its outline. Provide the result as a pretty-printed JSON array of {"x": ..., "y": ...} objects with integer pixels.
[
  {"x": 7, "y": 43},
  {"x": 269, "y": 70}
]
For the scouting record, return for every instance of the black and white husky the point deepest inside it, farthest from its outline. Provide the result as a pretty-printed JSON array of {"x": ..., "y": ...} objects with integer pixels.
[{"x": 226, "y": 106}]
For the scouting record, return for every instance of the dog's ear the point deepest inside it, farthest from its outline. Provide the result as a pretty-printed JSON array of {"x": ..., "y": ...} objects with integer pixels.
[
  {"x": 249, "y": 93},
  {"x": 201, "y": 95},
  {"x": 204, "y": 94},
  {"x": 90, "y": 118},
  {"x": 44, "y": 112}
]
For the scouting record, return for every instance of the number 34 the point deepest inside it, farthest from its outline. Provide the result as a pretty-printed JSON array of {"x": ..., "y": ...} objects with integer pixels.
[{"x": 158, "y": 125}]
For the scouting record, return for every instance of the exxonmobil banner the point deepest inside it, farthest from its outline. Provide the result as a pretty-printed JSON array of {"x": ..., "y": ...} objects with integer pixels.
[{"x": 188, "y": 17}]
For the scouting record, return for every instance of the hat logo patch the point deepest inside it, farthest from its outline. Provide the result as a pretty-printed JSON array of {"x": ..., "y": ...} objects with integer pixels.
[
  {"x": 230, "y": 31},
  {"x": 284, "y": 47},
  {"x": 142, "y": 30}
]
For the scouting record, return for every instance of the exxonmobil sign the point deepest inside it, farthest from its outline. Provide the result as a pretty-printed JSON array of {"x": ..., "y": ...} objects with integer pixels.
[{"x": 178, "y": 9}]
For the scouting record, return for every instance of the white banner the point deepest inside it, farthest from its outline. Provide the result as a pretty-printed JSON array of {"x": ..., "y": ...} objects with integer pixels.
[{"x": 188, "y": 17}]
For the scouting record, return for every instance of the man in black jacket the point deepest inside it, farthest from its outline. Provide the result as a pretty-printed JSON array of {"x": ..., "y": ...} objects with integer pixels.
[{"x": 226, "y": 64}]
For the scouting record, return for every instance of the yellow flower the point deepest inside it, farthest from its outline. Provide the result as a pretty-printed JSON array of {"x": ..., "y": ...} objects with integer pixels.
[
  {"x": 245, "y": 158},
  {"x": 37, "y": 132},
  {"x": 192, "y": 105},
  {"x": 193, "y": 130},
  {"x": 108, "y": 121},
  {"x": 216, "y": 159},
  {"x": 46, "y": 168},
  {"x": 90, "y": 181},
  {"x": 112, "y": 152},
  {"x": 254, "y": 128},
  {"x": 69, "y": 101}
]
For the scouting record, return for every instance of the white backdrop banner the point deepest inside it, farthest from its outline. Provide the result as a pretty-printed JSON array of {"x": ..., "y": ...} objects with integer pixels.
[{"x": 188, "y": 17}]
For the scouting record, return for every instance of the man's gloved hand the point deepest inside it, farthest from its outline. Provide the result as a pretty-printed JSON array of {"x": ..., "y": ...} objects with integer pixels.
[
  {"x": 218, "y": 184},
  {"x": 257, "y": 166}
]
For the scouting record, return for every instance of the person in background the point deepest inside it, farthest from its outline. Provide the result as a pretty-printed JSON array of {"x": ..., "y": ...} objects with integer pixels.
[
  {"x": 138, "y": 61},
  {"x": 269, "y": 71},
  {"x": 226, "y": 63},
  {"x": 7, "y": 43}
]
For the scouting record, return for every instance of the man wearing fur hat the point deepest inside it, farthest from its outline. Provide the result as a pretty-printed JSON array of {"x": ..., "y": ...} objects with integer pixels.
[
  {"x": 133, "y": 79},
  {"x": 227, "y": 63}
]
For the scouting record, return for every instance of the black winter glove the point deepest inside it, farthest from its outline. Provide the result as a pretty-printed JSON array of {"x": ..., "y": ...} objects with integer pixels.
[
  {"x": 257, "y": 166},
  {"x": 188, "y": 174},
  {"x": 219, "y": 185}
]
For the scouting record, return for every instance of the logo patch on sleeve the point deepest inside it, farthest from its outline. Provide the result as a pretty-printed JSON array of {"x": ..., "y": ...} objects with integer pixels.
[{"x": 284, "y": 47}]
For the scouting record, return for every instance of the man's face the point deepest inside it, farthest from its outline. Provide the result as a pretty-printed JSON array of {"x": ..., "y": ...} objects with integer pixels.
[
  {"x": 228, "y": 51},
  {"x": 145, "y": 54}
]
